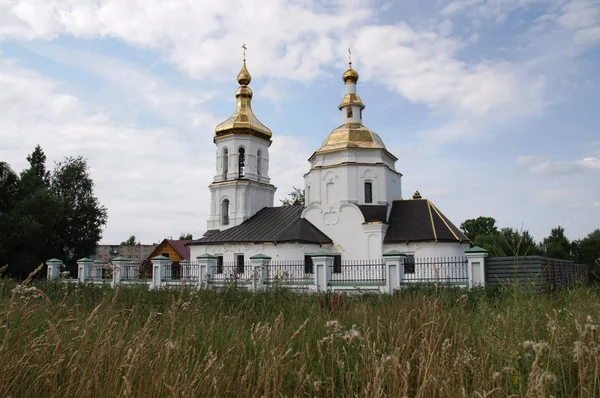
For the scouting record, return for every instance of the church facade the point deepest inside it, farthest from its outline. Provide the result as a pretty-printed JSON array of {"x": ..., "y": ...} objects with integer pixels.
[{"x": 353, "y": 208}]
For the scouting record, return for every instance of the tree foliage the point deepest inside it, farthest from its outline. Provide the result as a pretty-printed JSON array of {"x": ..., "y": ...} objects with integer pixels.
[
  {"x": 479, "y": 226},
  {"x": 130, "y": 241},
  {"x": 45, "y": 215},
  {"x": 184, "y": 236},
  {"x": 296, "y": 197},
  {"x": 557, "y": 245}
]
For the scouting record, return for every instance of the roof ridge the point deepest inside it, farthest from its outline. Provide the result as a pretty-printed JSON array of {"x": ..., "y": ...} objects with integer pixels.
[
  {"x": 429, "y": 204},
  {"x": 444, "y": 218}
]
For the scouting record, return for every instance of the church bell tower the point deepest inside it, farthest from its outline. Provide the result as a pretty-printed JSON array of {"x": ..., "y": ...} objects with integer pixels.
[{"x": 242, "y": 185}]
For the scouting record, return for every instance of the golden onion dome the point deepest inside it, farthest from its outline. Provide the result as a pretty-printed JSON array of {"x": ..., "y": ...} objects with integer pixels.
[
  {"x": 350, "y": 75},
  {"x": 244, "y": 77},
  {"x": 351, "y": 135},
  {"x": 243, "y": 120}
]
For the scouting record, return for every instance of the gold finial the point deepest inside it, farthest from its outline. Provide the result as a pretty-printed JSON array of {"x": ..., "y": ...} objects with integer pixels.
[
  {"x": 350, "y": 75},
  {"x": 244, "y": 77}
]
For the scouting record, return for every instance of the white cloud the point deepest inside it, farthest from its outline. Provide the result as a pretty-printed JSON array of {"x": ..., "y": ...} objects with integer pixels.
[
  {"x": 542, "y": 166},
  {"x": 421, "y": 65},
  {"x": 137, "y": 171}
]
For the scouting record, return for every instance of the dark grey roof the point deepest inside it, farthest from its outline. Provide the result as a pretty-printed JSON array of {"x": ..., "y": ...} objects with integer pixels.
[
  {"x": 373, "y": 213},
  {"x": 270, "y": 224},
  {"x": 418, "y": 220}
]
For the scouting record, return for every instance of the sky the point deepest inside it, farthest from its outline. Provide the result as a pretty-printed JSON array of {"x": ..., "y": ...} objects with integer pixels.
[{"x": 491, "y": 106}]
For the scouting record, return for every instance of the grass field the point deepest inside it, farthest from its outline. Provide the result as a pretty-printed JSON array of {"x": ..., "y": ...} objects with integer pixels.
[{"x": 69, "y": 340}]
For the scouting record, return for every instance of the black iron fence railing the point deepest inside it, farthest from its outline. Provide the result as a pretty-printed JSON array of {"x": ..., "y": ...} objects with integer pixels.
[
  {"x": 358, "y": 272},
  {"x": 228, "y": 272},
  {"x": 440, "y": 269},
  {"x": 290, "y": 271}
]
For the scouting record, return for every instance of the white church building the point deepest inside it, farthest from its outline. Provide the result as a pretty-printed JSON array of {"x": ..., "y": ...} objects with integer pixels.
[{"x": 354, "y": 208}]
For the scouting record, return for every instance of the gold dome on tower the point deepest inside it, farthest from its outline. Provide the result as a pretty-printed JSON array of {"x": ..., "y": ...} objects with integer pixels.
[
  {"x": 351, "y": 135},
  {"x": 244, "y": 77},
  {"x": 350, "y": 75},
  {"x": 243, "y": 120}
]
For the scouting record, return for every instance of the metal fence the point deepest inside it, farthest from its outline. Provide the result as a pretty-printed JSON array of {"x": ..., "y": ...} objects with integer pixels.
[
  {"x": 299, "y": 271},
  {"x": 358, "y": 272},
  {"x": 436, "y": 269},
  {"x": 132, "y": 271},
  {"x": 228, "y": 272}
]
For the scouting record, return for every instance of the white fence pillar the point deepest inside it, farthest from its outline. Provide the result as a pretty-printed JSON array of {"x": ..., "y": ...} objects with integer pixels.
[
  {"x": 53, "y": 265},
  {"x": 322, "y": 264},
  {"x": 476, "y": 259},
  {"x": 119, "y": 264},
  {"x": 83, "y": 268},
  {"x": 394, "y": 270},
  {"x": 260, "y": 271},
  {"x": 159, "y": 266},
  {"x": 207, "y": 267}
]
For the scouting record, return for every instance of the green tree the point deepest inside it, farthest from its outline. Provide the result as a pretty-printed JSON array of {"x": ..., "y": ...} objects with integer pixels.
[
  {"x": 296, "y": 197},
  {"x": 184, "y": 236},
  {"x": 587, "y": 251},
  {"x": 479, "y": 226},
  {"x": 508, "y": 242},
  {"x": 557, "y": 245},
  {"x": 37, "y": 161},
  {"x": 9, "y": 187},
  {"x": 81, "y": 215},
  {"x": 130, "y": 241}
]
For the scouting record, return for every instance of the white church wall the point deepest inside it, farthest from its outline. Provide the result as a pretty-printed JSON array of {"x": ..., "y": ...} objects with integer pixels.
[
  {"x": 277, "y": 252},
  {"x": 428, "y": 249},
  {"x": 343, "y": 224}
]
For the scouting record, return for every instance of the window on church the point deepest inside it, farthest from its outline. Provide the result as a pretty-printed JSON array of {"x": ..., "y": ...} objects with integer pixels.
[
  {"x": 360, "y": 114},
  {"x": 368, "y": 192},
  {"x": 239, "y": 259},
  {"x": 409, "y": 264},
  {"x": 219, "y": 264},
  {"x": 337, "y": 264},
  {"x": 225, "y": 160},
  {"x": 258, "y": 162},
  {"x": 241, "y": 162},
  {"x": 225, "y": 212},
  {"x": 349, "y": 112},
  {"x": 308, "y": 265}
]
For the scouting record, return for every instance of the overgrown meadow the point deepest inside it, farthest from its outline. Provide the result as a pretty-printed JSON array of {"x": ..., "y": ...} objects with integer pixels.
[{"x": 70, "y": 340}]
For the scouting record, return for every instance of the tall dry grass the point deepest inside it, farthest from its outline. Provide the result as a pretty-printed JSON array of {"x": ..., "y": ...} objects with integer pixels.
[{"x": 69, "y": 340}]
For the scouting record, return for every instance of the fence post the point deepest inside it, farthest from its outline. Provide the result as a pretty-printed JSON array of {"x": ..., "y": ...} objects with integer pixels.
[
  {"x": 322, "y": 264},
  {"x": 260, "y": 269},
  {"x": 53, "y": 265},
  {"x": 476, "y": 259},
  {"x": 118, "y": 267},
  {"x": 394, "y": 270},
  {"x": 159, "y": 265},
  {"x": 83, "y": 265},
  {"x": 207, "y": 267}
]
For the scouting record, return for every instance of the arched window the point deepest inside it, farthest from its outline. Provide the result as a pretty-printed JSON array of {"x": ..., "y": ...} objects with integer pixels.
[
  {"x": 368, "y": 192},
  {"x": 225, "y": 212},
  {"x": 242, "y": 162},
  {"x": 225, "y": 160},
  {"x": 349, "y": 112},
  {"x": 258, "y": 163}
]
